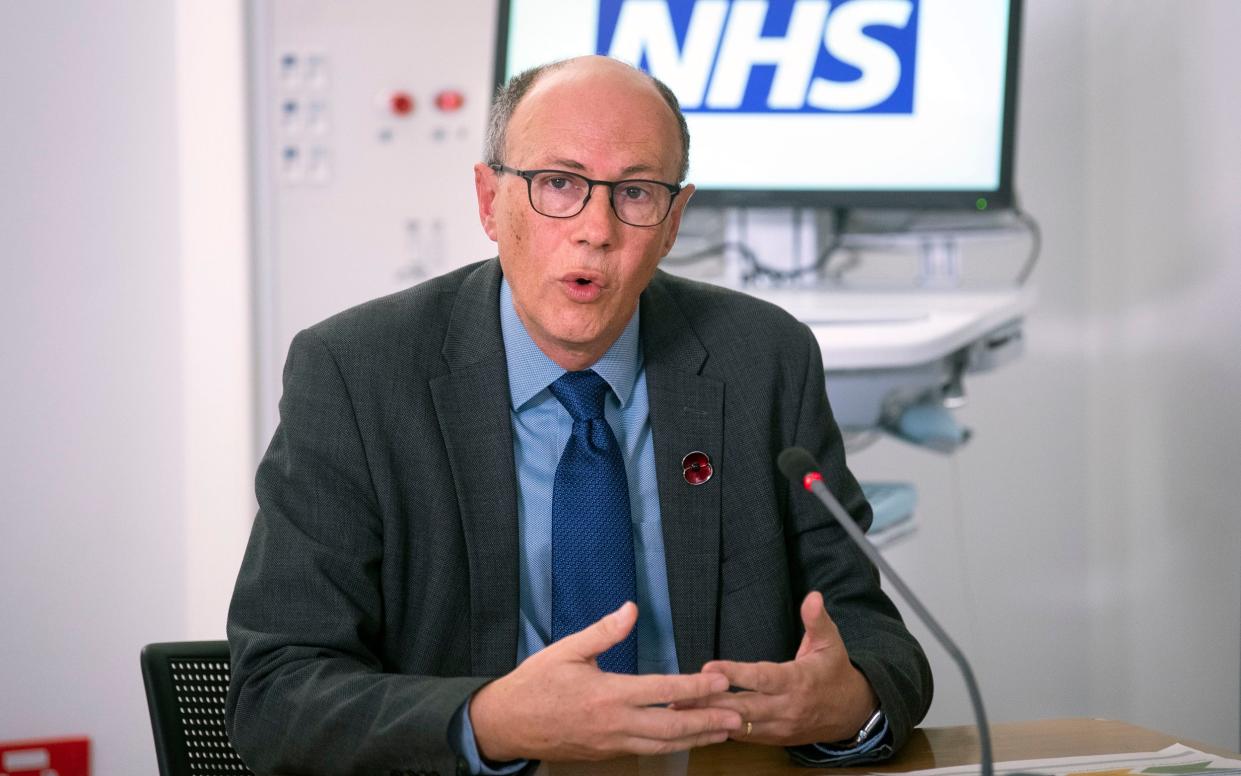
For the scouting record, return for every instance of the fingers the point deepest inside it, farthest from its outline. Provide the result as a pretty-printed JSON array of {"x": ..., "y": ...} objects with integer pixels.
[
  {"x": 766, "y": 697},
  {"x": 775, "y": 732},
  {"x": 764, "y": 677},
  {"x": 820, "y": 630},
  {"x": 667, "y": 725},
  {"x": 664, "y": 689},
  {"x": 661, "y": 730},
  {"x": 599, "y": 637},
  {"x": 751, "y": 706},
  {"x": 653, "y": 746},
  {"x": 764, "y": 718}
]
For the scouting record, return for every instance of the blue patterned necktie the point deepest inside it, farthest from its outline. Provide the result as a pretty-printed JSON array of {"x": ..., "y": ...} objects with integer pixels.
[{"x": 593, "y": 569}]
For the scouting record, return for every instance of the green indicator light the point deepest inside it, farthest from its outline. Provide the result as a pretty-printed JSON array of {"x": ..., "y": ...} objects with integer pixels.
[{"x": 981, "y": 203}]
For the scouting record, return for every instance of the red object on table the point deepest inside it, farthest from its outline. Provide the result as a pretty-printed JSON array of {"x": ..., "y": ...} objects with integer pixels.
[{"x": 46, "y": 757}]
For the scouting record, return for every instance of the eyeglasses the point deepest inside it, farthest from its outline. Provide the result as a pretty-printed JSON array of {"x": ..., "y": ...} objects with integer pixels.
[{"x": 560, "y": 194}]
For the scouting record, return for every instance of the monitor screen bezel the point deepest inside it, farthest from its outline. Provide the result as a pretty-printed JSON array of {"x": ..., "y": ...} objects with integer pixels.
[{"x": 1002, "y": 197}]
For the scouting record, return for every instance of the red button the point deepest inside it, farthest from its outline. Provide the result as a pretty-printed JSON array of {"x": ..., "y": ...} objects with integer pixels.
[
  {"x": 449, "y": 100},
  {"x": 401, "y": 103}
]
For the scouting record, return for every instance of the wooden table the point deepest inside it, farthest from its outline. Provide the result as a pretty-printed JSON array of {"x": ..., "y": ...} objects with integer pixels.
[{"x": 927, "y": 748}]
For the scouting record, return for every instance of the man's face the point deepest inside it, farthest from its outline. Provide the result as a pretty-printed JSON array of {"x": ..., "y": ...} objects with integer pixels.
[{"x": 576, "y": 281}]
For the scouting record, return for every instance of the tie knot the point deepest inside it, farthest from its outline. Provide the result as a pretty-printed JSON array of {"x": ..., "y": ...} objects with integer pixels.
[{"x": 581, "y": 393}]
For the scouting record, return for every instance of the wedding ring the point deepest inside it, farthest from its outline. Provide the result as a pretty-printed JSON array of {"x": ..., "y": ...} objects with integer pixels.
[{"x": 749, "y": 727}]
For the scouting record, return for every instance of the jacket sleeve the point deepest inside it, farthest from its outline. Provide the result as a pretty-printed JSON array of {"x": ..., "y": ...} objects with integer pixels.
[
  {"x": 824, "y": 559},
  {"x": 309, "y": 693}
]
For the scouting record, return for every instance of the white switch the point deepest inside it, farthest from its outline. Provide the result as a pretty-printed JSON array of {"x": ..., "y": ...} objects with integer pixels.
[{"x": 317, "y": 71}]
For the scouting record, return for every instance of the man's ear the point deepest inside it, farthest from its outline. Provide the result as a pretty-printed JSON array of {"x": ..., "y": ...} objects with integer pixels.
[
  {"x": 486, "y": 186},
  {"x": 674, "y": 218}
]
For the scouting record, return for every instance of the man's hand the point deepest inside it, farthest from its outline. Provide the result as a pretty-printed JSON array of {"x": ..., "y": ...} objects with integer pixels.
[
  {"x": 558, "y": 705},
  {"x": 819, "y": 696}
]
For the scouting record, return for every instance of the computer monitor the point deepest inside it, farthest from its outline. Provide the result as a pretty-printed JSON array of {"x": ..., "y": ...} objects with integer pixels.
[{"x": 816, "y": 103}]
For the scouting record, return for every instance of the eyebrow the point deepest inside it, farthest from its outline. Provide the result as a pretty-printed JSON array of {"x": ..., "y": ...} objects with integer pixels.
[{"x": 625, "y": 173}]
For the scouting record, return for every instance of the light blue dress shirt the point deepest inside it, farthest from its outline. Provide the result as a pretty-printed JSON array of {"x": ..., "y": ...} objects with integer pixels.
[{"x": 541, "y": 428}]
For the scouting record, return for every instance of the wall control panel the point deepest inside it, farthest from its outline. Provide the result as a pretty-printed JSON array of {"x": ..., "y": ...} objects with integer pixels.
[{"x": 366, "y": 119}]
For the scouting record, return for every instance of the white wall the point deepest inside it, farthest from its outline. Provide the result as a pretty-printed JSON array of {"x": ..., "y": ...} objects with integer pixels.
[
  {"x": 125, "y": 471},
  {"x": 1085, "y": 548},
  {"x": 91, "y": 474},
  {"x": 1164, "y": 240},
  {"x": 217, "y": 358}
]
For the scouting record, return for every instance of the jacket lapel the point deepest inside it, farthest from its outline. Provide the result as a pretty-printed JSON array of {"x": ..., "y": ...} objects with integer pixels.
[
  {"x": 472, "y": 403},
  {"x": 687, "y": 415}
]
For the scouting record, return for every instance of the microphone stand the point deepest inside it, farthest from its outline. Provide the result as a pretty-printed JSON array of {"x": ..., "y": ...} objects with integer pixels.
[{"x": 800, "y": 467}]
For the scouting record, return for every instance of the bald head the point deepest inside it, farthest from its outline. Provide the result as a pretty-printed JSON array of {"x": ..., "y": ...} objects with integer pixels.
[{"x": 594, "y": 75}]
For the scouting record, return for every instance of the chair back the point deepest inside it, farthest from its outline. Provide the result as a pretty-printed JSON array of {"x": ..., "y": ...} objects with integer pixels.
[{"x": 186, "y": 684}]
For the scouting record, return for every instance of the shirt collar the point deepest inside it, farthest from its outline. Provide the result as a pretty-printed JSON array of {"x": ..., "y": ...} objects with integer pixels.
[{"x": 531, "y": 371}]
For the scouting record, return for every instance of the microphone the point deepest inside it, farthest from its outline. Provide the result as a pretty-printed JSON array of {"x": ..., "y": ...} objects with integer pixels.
[{"x": 800, "y": 468}]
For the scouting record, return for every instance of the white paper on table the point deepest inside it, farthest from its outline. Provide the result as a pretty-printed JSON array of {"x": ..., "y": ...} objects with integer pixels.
[{"x": 1175, "y": 760}]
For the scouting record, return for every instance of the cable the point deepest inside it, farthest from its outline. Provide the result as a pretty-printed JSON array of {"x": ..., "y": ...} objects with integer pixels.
[
  {"x": 698, "y": 255},
  {"x": 757, "y": 268},
  {"x": 713, "y": 250},
  {"x": 1036, "y": 243},
  {"x": 852, "y": 261},
  {"x": 959, "y": 526}
]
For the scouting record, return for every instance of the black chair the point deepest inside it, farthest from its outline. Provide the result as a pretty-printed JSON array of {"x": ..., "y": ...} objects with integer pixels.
[{"x": 186, "y": 684}]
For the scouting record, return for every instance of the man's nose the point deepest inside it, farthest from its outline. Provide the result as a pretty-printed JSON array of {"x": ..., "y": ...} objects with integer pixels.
[{"x": 597, "y": 223}]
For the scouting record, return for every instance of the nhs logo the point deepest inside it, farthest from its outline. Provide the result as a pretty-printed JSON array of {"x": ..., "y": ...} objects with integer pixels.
[{"x": 765, "y": 56}]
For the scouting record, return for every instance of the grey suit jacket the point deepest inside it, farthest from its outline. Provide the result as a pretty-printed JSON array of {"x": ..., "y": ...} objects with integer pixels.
[{"x": 380, "y": 585}]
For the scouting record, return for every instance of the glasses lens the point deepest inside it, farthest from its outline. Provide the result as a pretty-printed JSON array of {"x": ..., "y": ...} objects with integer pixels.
[
  {"x": 641, "y": 203},
  {"x": 558, "y": 194}
]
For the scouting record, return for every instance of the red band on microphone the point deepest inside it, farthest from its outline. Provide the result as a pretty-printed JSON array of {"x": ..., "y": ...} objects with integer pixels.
[{"x": 810, "y": 479}]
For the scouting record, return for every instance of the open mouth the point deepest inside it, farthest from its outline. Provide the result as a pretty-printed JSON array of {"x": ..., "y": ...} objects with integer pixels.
[
  {"x": 582, "y": 286},
  {"x": 583, "y": 278}
]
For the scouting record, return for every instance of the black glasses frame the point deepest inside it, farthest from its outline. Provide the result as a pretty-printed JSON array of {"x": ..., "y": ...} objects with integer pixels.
[{"x": 673, "y": 188}]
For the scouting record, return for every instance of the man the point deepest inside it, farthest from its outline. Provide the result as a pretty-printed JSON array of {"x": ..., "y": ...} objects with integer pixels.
[{"x": 401, "y": 606}]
